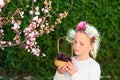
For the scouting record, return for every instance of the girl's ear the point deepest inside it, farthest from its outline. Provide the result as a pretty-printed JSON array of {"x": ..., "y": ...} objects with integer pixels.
[{"x": 92, "y": 46}]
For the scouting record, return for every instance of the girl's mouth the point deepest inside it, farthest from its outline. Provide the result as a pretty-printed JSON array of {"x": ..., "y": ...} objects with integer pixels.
[{"x": 77, "y": 50}]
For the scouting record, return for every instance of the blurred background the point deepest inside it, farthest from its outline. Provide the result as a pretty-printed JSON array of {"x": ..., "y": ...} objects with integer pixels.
[{"x": 18, "y": 64}]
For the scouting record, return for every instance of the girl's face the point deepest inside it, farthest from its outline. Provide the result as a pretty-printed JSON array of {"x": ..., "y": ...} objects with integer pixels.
[{"x": 82, "y": 44}]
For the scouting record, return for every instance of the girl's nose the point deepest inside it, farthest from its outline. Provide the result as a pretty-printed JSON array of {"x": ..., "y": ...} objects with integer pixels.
[{"x": 77, "y": 44}]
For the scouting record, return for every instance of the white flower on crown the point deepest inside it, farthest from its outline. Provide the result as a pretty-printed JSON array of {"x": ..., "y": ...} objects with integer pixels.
[
  {"x": 91, "y": 31},
  {"x": 70, "y": 35}
]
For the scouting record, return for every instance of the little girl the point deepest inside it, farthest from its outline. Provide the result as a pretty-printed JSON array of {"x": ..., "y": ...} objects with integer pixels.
[{"x": 83, "y": 66}]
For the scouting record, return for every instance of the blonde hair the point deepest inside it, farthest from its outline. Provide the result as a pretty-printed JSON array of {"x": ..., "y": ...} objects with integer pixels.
[
  {"x": 93, "y": 52},
  {"x": 91, "y": 31}
]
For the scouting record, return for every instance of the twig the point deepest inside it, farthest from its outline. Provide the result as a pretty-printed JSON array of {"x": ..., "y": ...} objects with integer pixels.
[{"x": 71, "y": 6}]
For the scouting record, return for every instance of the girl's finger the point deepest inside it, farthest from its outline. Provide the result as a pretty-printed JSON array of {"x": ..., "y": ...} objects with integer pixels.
[
  {"x": 63, "y": 68},
  {"x": 60, "y": 67},
  {"x": 68, "y": 70},
  {"x": 70, "y": 64}
]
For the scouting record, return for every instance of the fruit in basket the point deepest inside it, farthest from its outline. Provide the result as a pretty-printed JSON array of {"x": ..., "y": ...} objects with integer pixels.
[{"x": 62, "y": 59}]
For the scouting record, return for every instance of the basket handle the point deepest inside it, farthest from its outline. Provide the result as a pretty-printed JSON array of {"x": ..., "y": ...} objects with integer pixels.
[{"x": 58, "y": 45}]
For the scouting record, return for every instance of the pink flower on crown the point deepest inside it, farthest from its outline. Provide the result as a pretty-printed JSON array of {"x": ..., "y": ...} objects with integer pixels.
[{"x": 81, "y": 25}]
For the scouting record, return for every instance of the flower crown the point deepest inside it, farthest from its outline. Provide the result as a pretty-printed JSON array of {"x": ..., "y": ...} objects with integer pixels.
[
  {"x": 87, "y": 28},
  {"x": 90, "y": 30}
]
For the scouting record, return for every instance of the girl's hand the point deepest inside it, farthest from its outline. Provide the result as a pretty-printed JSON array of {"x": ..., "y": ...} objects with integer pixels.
[
  {"x": 62, "y": 69},
  {"x": 71, "y": 68}
]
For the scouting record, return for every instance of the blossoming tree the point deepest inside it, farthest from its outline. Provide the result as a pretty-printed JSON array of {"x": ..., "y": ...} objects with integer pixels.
[{"x": 39, "y": 24}]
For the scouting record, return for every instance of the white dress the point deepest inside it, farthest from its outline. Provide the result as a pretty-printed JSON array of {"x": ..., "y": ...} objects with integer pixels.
[{"x": 86, "y": 70}]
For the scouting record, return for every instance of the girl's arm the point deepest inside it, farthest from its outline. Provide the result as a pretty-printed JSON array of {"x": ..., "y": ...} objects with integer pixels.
[
  {"x": 60, "y": 73},
  {"x": 59, "y": 76},
  {"x": 94, "y": 72}
]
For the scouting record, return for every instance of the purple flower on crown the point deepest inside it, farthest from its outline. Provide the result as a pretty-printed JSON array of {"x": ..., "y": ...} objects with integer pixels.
[{"x": 81, "y": 25}]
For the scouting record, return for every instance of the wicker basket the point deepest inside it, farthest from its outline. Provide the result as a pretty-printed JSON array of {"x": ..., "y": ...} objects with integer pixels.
[{"x": 59, "y": 62}]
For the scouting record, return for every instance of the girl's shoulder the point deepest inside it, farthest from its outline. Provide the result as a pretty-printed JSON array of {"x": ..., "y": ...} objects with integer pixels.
[
  {"x": 93, "y": 63},
  {"x": 90, "y": 61}
]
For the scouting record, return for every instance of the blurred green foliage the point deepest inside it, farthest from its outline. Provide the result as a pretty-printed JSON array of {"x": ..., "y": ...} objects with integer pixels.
[{"x": 103, "y": 14}]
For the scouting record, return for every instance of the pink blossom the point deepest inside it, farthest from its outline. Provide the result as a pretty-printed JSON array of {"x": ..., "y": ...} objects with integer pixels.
[
  {"x": 39, "y": 20},
  {"x": 36, "y": 8},
  {"x": 81, "y": 25},
  {"x": 36, "y": 51},
  {"x": 31, "y": 12},
  {"x": 35, "y": 18},
  {"x": 2, "y": 3},
  {"x": 21, "y": 14},
  {"x": 45, "y": 10},
  {"x": 37, "y": 13},
  {"x": 1, "y": 31},
  {"x": 34, "y": 0},
  {"x": 9, "y": 43},
  {"x": 16, "y": 37},
  {"x": 17, "y": 41}
]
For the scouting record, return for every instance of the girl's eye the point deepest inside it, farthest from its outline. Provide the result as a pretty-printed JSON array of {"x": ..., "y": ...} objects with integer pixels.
[
  {"x": 75, "y": 41},
  {"x": 81, "y": 44}
]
